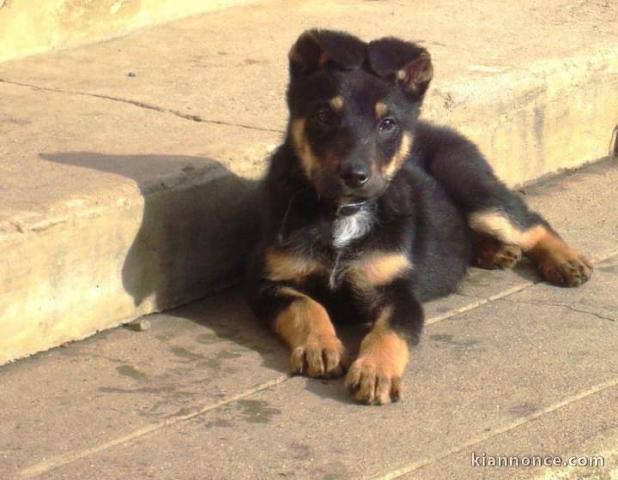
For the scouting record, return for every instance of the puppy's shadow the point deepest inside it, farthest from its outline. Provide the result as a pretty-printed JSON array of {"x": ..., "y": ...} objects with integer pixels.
[
  {"x": 228, "y": 316},
  {"x": 199, "y": 222},
  {"x": 526, "y": 270},
  {"x": 246, "y": 331},
  {"x": 215, "y": 313}
]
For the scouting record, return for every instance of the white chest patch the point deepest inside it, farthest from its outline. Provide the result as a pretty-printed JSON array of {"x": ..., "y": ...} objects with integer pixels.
[{"x": 351, "y": 227}]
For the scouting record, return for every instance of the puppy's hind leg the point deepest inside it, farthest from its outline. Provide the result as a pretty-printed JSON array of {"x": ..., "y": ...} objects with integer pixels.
[
  {"x": 499, "y": 216},
  {"x": 556, "y": 261}
]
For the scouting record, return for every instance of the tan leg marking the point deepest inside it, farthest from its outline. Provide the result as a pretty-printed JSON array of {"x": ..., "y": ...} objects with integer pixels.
[
  {"x": 375, "y": 376},
  {"x": 497, "y": 225},
  {"x": 400, "y": 156},
  {"x": 282, "y": 265},
  {"x": 308, "y": 160},
  {"x": 378, "y": 268},
  {"x": 306, "y": 327},
  {"x": 557, "y": 262}
]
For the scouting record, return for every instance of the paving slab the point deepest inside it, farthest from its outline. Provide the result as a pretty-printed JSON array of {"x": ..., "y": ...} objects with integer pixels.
[
  {"x": 27, "y": 28},
  {"x": 584, "y": 430},
  {"x": 484, "y": 379},
  {"x": 122, "y": 381},
  {"x": 586, "y": 427},
  {"x": 81, "y": 152}
]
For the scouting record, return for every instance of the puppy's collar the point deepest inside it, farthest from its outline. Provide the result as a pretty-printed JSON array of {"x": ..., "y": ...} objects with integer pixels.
[
  {"x": 350, "y": 208},
  {"x": 344, "y": 210}
]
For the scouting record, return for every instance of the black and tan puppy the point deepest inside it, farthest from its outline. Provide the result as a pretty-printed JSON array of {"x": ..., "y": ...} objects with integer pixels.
[{"x": 369, "y": 212}]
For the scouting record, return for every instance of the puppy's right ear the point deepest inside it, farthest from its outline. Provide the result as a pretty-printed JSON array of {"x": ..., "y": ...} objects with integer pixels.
[
  {"x": 406, "y": 63},
  {"x": 319, "y": 49}
]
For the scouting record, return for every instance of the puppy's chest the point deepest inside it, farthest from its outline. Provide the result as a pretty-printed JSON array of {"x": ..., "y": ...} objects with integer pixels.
[
  {"x": 351, "y": 227},
  {"x": 326, "y": 250},
  {"x": 361, "y": 269},
  {"x": 328, "y": 235}
]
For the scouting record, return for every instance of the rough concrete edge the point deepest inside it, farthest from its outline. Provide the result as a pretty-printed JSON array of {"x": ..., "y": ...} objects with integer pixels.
[
  {"x": 72, "y": 208},
  {"x": 505, "y": 84},
  {"x": 558, "y": 113},
  {"x": 152, "y": 273},
  {"x": 607, "y": 61}
]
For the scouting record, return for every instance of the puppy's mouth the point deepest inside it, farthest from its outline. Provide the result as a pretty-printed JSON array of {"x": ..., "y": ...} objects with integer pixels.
[
  {"x": 329, "y": 189},
  {"x": 348, "y": 198},
  {"x": 347, "y": 209},
  {"x": 364, "y": 195}
]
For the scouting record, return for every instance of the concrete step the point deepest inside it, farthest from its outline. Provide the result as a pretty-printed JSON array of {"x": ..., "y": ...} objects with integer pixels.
[
  {"x": 507, "y": 366},
  {"x": 128, "y": 166}
]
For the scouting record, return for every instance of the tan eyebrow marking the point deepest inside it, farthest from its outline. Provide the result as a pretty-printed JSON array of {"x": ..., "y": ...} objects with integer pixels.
[
  {"x": 336, "y": 103},
  {"x": 381, "y": 109}
]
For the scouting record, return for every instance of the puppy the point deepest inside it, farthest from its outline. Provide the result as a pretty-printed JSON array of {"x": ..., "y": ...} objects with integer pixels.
[{"x": 369, "y": 212}]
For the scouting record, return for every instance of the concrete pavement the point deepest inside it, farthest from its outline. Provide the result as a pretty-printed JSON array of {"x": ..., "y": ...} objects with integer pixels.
[
  {"x": 128, "y": 166},
  {"x": 508, "y": 366}
]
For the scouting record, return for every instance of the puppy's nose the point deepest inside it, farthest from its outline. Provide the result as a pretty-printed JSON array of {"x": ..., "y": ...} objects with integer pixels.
[{"x": 354, "y": 176}]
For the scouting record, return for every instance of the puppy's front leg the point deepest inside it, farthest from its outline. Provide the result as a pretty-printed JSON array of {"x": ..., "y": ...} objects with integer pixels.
[
  {"x": 307, "y": 328},
  {"x": 304, "y": 324},
  {"x": 375, "y": 377},
  {"x": 300, "y": 320}
]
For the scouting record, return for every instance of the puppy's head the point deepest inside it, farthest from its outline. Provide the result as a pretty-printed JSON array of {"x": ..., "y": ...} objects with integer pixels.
[{"x": 353, "y": 108}]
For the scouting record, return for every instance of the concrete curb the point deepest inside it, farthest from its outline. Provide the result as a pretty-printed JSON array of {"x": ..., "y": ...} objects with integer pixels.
[
  {"x": 188, "y": 236},
  {"x": 555, "y": 115}
]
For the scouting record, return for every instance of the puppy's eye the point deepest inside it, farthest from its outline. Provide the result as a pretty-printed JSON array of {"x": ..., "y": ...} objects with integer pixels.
[
  {"x": 324, "y": 116},
  {"x": 388, "y": 125}
]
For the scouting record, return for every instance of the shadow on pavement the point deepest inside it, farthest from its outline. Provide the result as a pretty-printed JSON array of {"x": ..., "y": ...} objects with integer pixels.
[{"x": 198, "y": 224}]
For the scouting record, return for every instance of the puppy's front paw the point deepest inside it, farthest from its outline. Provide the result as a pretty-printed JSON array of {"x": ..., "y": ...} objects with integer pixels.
[
  {"x": 319, "y": 356},
  {"x": 374, "y": 379}
]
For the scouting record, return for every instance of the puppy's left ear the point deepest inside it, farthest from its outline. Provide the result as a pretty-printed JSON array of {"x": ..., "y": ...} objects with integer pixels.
[
  {"x": 404, "y": 62},
  {"x": 320, "y": 49}
]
